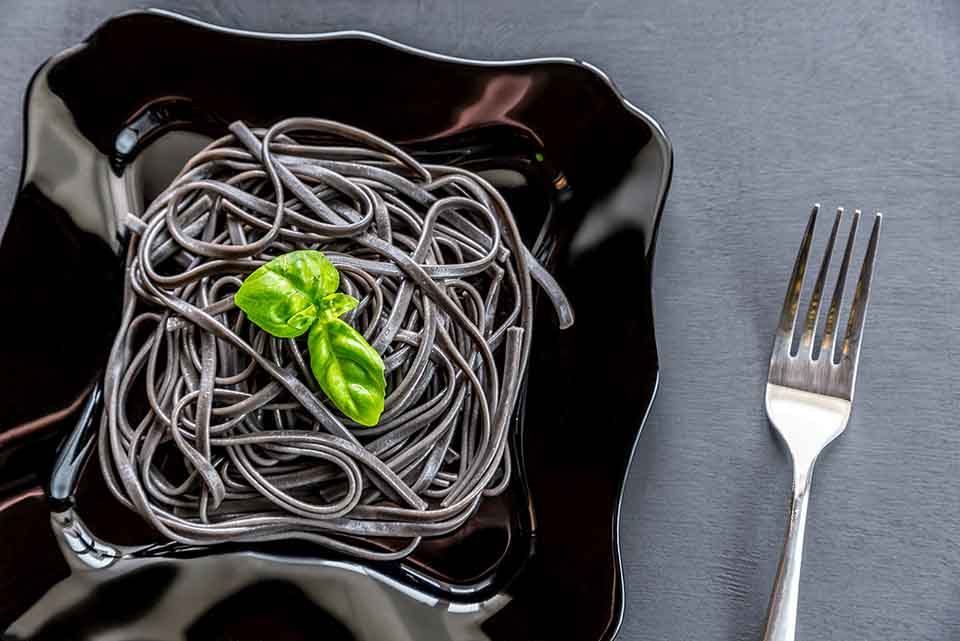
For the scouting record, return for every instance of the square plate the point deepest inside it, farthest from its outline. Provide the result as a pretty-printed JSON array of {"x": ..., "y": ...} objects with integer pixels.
[{"x": 108, "y": 123}]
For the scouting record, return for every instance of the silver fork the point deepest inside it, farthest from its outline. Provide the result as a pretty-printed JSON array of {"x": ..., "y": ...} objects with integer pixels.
[{"x": 809, "y": 395}]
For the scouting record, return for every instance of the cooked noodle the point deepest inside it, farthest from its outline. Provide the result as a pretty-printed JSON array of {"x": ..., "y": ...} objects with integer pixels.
[{"x": 215, "y": 431}]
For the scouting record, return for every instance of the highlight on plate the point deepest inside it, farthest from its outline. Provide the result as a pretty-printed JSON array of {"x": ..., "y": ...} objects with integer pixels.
[{"x": 322, "y": 339}]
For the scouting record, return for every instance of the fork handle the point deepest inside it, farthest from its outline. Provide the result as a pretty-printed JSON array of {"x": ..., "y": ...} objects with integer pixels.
[{"x": 782, "y": 615}]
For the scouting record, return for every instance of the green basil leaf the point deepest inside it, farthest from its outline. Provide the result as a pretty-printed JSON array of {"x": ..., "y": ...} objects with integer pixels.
[
  {"x": 335, "y": 305},
  {"x": 280, "y": 297},
  {"x": 349, "y": 370}
]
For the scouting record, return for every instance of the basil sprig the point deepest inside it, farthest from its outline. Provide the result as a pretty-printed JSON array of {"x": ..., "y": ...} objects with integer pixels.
[{"x": 297, "y": 292}]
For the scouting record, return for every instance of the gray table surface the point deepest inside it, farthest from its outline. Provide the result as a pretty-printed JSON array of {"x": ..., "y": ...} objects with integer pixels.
[{"x": 771, "y": 105}]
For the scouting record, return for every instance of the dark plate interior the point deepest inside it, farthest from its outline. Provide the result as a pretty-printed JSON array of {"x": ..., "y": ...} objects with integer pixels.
[{"x": 106, "y": 123}]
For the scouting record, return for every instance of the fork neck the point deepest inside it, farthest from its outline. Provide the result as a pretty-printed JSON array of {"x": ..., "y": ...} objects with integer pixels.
[
  {"x": 802, "y": 477},
  {"x": 803, "y": 463}
]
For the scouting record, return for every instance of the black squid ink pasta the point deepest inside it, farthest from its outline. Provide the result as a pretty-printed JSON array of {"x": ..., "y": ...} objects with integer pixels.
[{"x": 213, "y": 430}]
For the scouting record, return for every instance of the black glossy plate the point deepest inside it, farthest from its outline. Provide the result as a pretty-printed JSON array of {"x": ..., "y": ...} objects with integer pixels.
[{"x": 107, "y": 122}]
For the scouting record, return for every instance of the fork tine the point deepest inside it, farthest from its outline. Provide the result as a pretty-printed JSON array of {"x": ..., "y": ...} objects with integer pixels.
[
  {"x": 858, "y": 311},
  {"x": 788, "y": 316},
  {"x": 833, "y": 314},
  {"x": 813, "y": 311}
]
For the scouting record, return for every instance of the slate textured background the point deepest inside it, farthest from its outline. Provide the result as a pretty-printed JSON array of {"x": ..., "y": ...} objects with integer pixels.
[{"x": 771, "y": 105}]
